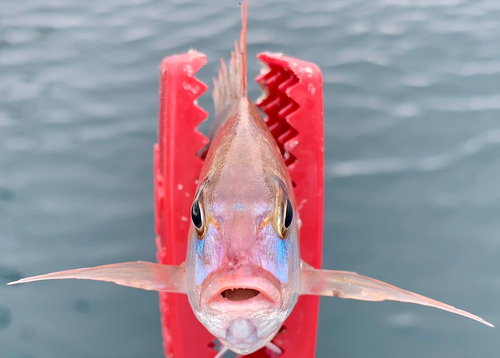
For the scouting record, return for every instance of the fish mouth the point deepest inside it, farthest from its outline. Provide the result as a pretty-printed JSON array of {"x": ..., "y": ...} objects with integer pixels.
[
  {"x": 239, "y": 294},
  {"x": 241, "y": 287}
]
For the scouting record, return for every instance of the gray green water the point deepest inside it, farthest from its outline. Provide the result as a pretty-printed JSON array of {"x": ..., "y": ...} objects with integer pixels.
[{"x": 412, "y": 124}]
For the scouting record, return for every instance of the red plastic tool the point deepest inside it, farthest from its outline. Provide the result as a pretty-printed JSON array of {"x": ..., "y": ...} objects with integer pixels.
[{"x": 293, "y": 104}]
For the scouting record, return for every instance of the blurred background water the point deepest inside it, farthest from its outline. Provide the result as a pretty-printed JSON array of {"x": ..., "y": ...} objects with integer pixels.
[{"x": 412, "y": 125}]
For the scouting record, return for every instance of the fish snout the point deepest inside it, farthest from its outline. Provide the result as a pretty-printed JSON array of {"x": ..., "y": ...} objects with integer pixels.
[{"x": 241, "y": 331}]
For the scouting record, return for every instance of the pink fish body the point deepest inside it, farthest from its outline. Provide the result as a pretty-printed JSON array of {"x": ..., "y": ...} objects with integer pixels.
[
  {"x": 243, "y": 272},
  {"x": 243, "y": 260}
]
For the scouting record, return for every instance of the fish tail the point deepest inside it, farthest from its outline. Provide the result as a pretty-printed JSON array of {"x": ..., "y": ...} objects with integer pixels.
[{"x": 231, "y": 83}]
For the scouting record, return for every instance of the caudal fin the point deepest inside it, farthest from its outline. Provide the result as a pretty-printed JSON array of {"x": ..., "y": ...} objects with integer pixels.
[{"x": 232, "y": 83}]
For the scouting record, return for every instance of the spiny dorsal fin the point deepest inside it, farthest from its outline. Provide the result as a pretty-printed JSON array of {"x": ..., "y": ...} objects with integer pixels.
[{"x": 232, "y": 84}]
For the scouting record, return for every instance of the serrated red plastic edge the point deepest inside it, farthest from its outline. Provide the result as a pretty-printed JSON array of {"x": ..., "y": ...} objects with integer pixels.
[
  {"x": 177, "y": 168},
  {"x": 294, "y": 109}
]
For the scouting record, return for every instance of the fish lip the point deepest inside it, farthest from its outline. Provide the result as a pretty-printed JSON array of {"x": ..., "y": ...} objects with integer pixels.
[{"x": 256, "y": 279}]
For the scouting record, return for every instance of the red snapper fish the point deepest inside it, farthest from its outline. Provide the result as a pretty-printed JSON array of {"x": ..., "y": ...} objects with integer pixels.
[{"x": 243, "y": 272}]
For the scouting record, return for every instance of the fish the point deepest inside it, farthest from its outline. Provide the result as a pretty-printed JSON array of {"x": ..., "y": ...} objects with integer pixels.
[{"x": 243, "y": 273}]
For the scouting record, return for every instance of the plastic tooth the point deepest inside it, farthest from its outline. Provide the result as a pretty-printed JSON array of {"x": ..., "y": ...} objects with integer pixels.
[
  {"x": 288, "y": 109},
  {"x": 278, "y": 106},
  {"x": 287, "y": 83}
]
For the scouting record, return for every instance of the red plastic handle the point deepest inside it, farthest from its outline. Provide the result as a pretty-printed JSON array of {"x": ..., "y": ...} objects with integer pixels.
[
  {"x": 176, "y": 170},
  {"x": 294, "y": 113}
]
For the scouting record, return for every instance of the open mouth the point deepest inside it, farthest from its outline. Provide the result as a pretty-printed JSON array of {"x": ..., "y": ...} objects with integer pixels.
[
  {"x": 241, "y": 288},
  {"x": 239, "y": 294}
]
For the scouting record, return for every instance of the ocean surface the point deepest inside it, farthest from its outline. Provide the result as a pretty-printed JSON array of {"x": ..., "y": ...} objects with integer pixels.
[{"x": 412, "y": 144}]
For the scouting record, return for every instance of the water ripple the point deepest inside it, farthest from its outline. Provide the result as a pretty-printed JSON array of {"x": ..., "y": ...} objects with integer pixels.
[
  {"x": 359, "y": 55},
  {"x": 477, "y": 103},
  {"x": 479, "y": 68},
  {"x": 421, "y": 3},
  {"x": 400, "y": 165}
]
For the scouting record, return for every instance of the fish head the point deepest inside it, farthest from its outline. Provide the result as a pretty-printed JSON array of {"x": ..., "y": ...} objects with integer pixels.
[{"x": 243, "y": 259}]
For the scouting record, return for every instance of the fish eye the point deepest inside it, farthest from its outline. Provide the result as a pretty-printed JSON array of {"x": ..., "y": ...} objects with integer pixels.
[
  {"x": 288, "y": 214},
  {"x": 197, "y": 217},
  {"x": 286, "y": 218},
  {"x": 283, "y": 210}
]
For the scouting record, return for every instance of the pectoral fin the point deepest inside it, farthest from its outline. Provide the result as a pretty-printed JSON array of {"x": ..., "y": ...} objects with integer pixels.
[
  {"x": 140, "y": 274},
  {"x": 350, "y": 285}
]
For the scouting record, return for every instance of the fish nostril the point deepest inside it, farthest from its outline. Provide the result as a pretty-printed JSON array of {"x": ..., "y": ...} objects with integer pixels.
[{"x": 239, "y": 294}]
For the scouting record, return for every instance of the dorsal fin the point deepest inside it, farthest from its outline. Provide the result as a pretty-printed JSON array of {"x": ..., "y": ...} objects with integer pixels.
[{"x": 232, "y": 84}]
